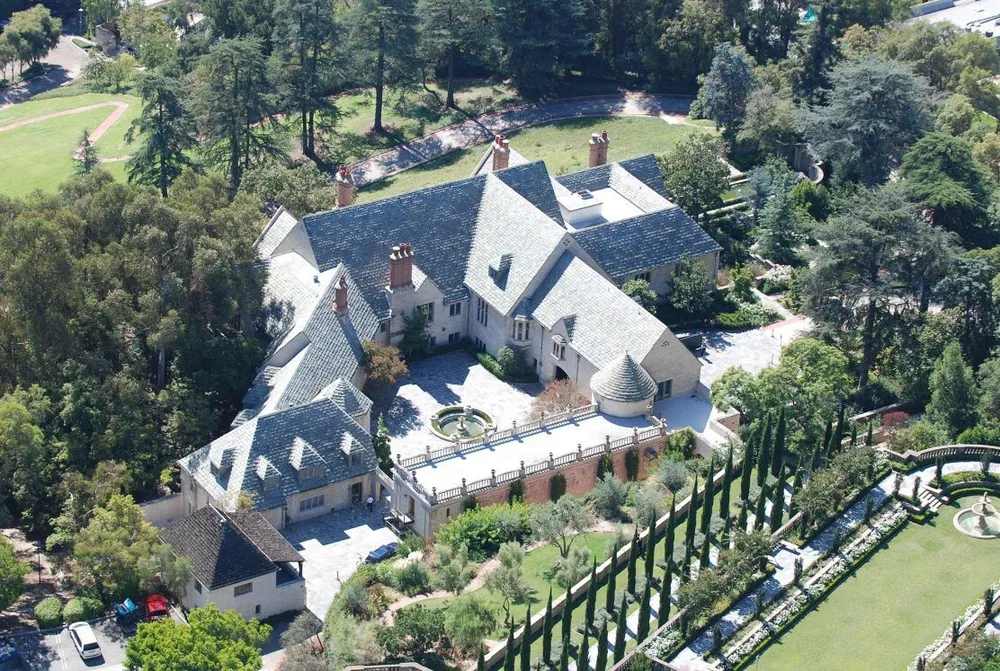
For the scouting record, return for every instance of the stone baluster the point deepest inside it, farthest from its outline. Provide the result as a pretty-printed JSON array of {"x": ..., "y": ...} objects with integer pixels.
[
  {"x": 635, "y": 435},
  {"x": 434, "y": 495},
  {"x": 427, "y": 453},
  {"x": 522, "y": 468},
  {"x": 493, "y": 477},
  {"x": 541, "y": 420},
  {"x": 513, "y": 428},
  {"x": 465, "y": 490},
  {"x": 607, "y": 444},
  {"x": 552, "y": 462},
  {"x": 413, "y": 476},
  {"x": 579, "y": 451}
]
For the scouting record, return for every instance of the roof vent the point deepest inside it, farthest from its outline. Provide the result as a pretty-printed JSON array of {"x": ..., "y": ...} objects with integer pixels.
[
  {"x": 315, "y": 279},
  {"x": 584, "y": 195}
]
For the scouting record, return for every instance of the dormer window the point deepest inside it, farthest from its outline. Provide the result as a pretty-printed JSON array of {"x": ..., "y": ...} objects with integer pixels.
[
  {"x": 310, "y": 472},
  {"x": 272, "y": 482},
  {"x": 521, "y": 330},
  {"x": 558, "y": 347}
]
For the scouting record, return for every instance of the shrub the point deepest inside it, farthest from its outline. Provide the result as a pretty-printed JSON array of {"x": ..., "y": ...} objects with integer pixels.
[
  {"x": 81, "y": 608},
  {"x": 747, "y": 316},
  {"x": 604, "y": 465},
  {"x": 922, "y": 435},
  {"x": 411, "y": 543},
  {"x": 609, "y": 496},
  {"x": 672, "y": 474},
  {"x": 48, "y": 612},
  {"x": 413, "y": 578},
  {"x": 632, "y": 464},
  {"x": 558, "y": 396},
  {"x": 743, "y": 281},
  {"x": 557, "y": 487},
  {"x": 383, "y": 362},
  {"x": 649, "y": 506},
  {"x": 895, "y": 420},
  {"x": 483, "y": 530},
  {"x": 516, "y": 491},
  {"x": 980, "y": 435},
  {"x": 683, "y": 442},
  {"x": 492, "y": 365}
]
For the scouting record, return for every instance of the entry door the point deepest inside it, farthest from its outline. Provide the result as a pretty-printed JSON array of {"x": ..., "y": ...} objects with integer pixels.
[
  {"x": 663, "y": 389},
  {"x": 356, "y": 490}
]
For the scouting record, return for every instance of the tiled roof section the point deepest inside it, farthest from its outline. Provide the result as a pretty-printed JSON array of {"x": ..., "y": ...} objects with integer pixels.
[
  {"x": 533, "y": 183},
  {"x": 646, "y": 170},
  {"x": 605, "y": 322},
  {"x": 322, "y": 424},
  {"x": 637, "y": 191},
  {"x": 485, "y": 164},
  {"x": 644, "y": 242},
  {"x": 263, "y": 534},
  {"x": 643, "y": 168},
  {"x": 304, "y": 455},
  {"x": 513, "y": 240},
  {"x": 623, "y": 380},
  {"x": 277, "y": 229},
  {"x": 347, "y": 396},
  {"x": 218, "y": 552},
  {"x": 438, "y": 221}
]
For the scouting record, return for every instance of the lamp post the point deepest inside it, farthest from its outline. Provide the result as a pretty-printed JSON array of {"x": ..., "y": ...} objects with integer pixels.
[{"x": 79, "y": 16}]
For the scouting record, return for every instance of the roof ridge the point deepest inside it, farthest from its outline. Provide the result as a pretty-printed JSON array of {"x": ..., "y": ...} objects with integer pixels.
[{"x": 242, "y": 532}]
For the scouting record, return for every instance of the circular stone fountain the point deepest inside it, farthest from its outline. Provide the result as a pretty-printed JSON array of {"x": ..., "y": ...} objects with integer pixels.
[
  {"x": 462, "y": 422},
  {"x": 979, "y": 521}
]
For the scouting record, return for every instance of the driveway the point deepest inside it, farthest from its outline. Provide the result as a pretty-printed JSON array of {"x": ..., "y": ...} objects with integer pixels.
[
  {"x": 55, "y": 650},
  {"x": 62, "y": 65},
  {"x": 480, "y": 129},
  {"x": 334, "y": 545}
]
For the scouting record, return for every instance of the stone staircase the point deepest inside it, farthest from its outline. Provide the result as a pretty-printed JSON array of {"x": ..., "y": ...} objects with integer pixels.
[{"x": 930, "y": 498}]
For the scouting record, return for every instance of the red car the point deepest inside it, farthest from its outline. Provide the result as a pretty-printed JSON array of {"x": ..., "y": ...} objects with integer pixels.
[{"x": 156, "y": 607}]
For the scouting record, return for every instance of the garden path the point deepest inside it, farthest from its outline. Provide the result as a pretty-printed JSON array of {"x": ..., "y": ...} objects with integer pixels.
[{"x": 95, "y": 135}]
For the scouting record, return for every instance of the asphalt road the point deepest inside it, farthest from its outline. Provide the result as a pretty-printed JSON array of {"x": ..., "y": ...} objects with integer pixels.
[{"x": 55, "y": 650}]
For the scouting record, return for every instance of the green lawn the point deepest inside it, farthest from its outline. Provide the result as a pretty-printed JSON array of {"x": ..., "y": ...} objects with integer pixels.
[
  {"x": 898, "y": 602},
  {"x": 39, "y": 155},
  {"x": 562, "y": 145}
]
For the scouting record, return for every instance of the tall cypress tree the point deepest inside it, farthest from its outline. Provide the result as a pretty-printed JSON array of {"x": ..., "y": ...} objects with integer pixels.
[
  {"x": 709, "y": 503},
  {"x": 642, "y": 631},
  {"x": 778, "y": 453},
  {"x": 547, "y": 632},
  {"x": 727, "y": 482},
  {"x": 621, "y": 631},
  {"x": 869, "y": 438},
  {"x": 764, "y": 458},
  {"x": 668, "y": 537},
  {"x": 749, "y": 453},
  {"x": 838, "y": 434},
  {"x": 758, "y": 522},
  {"x": 778, "y": 503},
  {"x": 564, "y": 656},
  {"x": 591, "y": 597},
  {"x": 583, "y": 652},
  {"x": 705, "y": 558},
  {"x": 744, "y": 515},
  {"x": 633, "y": 556},
  {"x": 508, "y": 660},
  {"x": 650, "y": 555},
  {"x": 796, "y": 486},
  {"x": 815, "y": 460},
  {"x": 692, "y": 514},
  {"x": 602, "y": 648},
  {"x": 567, "y": 614},
  {"x": 609, "y": 596},
  {"x": 526, "y": 642},
  {"x": 854, "y": 435},
  {"x": 827, "y": 442},
  {"x": 481, "y": 660},
  {"x": 663, "y": 613}
]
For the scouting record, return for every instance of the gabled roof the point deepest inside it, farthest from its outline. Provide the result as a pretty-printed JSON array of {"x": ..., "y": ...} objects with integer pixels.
[
  {"x": 306, "y": 434},
  {"x": 347, "y": 396},
  {"x": 647, "y": 241},
  {"x": 604, "y": 321},
  {"x": 623, "y": 380},
  {"x": 228, "y": 548},
  {"x": 644, "y": 169}
]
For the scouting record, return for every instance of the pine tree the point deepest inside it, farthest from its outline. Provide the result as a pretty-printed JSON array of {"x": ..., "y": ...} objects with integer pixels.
[
  {"x": 778, "y": 453},
  {"x": 591, "y": 607},
  {"x": 547, "y": 632},
  {"x": 642, "y": 631},
  {"x": 758, "y": 522},
  {"x": 633, "y": 557},
  {"x": 508, "y": 660},
  {"x": 621, "y": 630},
  {"x": 447, "y": 27},
  {"x": 727, "y": 481},
  {"x": 650, "y": 554},
  {"x": 564, "y": 656},
  {"x": 526, "y": 642},
  {"x": 668, "y": 540},
  {"x": 583, "y": 652},
  {"x": 609, "y": 596},
  {"x": 85, "y": 155},
  {"x": 663, "y": 613},
  {"x": 778, "y": 504},
  {"x": 602, "y": 648},
  {"x": 765, "y": 452},
  {"x": 749, "y": 452},
  {"x": 567, "y": 614},
  {"x": 709, "y": 502}
]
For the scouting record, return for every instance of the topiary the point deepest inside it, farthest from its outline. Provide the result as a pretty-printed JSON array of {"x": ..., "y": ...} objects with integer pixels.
[
  {"x": 48, "y": 612},
  {"x": 632, "y": 464},
  {"x": 516, "y": 491},
  {"x": 81, "y": 608},
  {"x": 557, "y": 486}
]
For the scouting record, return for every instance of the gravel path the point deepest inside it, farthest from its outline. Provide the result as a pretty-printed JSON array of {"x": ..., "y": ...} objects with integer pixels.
[{"x": 471, "y": 132}]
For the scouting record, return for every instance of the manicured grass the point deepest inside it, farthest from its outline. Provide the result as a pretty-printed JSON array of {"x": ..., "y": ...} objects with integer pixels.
[
  {"x": 39, "y": 155},
  {"x": 898, "y": 602},
  {"x": 562, "y": 145}
]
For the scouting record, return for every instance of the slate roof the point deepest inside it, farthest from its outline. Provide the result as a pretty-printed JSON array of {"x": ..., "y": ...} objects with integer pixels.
[
  {"x": 602, "y": 322},
  {"x": 280, "y": 225},
  {"x": 644, "y": 169},
  {"x": 347, "y": 396},
  {"x": 228, "y": 548},
  {"x": 647, "y": 241},
  {"x": 281, "y": 437},
  {"x": 623, "y": 380}
]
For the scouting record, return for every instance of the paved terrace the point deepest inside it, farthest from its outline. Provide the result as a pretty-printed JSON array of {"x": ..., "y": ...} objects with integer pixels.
[{"x": 532, "y": 449}]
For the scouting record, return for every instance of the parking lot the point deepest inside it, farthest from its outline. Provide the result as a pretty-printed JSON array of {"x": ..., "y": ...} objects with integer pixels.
[{"x": 55, "y": 650}]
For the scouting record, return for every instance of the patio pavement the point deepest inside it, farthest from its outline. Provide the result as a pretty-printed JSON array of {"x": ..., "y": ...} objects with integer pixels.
[
  {"x": 450, "y": 379},
  {"x": 334, "y": 545},
  {"x": 752, "y": 350}
]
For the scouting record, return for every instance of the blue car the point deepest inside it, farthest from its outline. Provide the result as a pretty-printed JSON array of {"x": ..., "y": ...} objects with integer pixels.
[{"x": 381, "y": 553}]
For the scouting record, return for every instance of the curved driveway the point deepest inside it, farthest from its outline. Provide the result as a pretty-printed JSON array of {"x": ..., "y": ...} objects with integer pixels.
[{"x": 471, "y": 132}]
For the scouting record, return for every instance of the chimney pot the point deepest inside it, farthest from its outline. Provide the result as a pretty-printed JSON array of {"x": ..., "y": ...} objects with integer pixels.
[
  {"x": 345, "y": 186},
  {"x": 594, "y": 149},
  {"x": 501, "y": 153},
  {"x": 401, "y": 266},
  {"x": 603, "y": 150},
  {"x": 341, "y": 295}
]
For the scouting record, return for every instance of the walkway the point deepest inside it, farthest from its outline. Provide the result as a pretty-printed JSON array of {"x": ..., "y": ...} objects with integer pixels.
[
  {"x": 116, "y": 114},
  {"x": 471, "y": 132},
  {"x": 62, "y": 65}
]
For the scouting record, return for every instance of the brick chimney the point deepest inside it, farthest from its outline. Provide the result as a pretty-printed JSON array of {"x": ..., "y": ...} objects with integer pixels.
[
  {"x": 345, "y": 187},
  {"x": 401, "y": 266},
  {"x": 598, "y": 149},
  {"x": 501, "y": 153},
  {"x": 340, "y": 297}
]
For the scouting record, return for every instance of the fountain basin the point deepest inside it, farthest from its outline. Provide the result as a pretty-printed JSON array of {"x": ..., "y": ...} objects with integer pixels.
[
  {"x": 462, "y": 422},
  {"x": 979, "y": 521}
]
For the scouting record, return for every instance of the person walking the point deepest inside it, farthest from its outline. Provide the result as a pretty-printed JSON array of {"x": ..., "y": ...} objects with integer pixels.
[{"x": 371, "y": 503}]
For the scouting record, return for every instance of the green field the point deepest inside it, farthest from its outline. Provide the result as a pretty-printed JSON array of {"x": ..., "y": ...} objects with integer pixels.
[
  {"x": 562, "y": 145},
  {"x": 897, "y": 603},
  {"x": 39, "y": 155}
]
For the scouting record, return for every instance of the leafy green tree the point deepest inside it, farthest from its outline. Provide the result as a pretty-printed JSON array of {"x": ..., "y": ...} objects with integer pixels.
[
  {"x": 167, "y": 133},
  {"x": 448, "y": 28},
  {"x": 150, "y": 35},
  {"x": 769, "y": 121},
  {"x": 33, "y": 32},
  {"x": 415, "y": 633},
  {"x": 956, "y": 116},
  {"x": 875, "y": 109},
  {"x": 454, "y": 570},
  {"x": 989, "y": 388},
  {"x": 507, "y": 579},
  {"x": 382, "y": 37},
  {"x": 304, "y": 39},
  {"x": 724, "y": 92},
  {"x": 416, "y": 341},
  {"x": 684, "y": 40},
  {"x": 212, "y": 639},
  {"x": 300, "y": 189},
  {"x": 695, "y": 173},
  {"x": 560, "y": 523},
  {"x": 468, "y": 621},
  {"x": 690, "y": 288},
  {"x": 12, "y": 572},
  {"x": 233, "y": 99},
  {"x": 969, "y": 292},
  {"x": 608, "y": 496},
  {"x": 639, "y": 291},
  {"x": 954, "y": 398}
]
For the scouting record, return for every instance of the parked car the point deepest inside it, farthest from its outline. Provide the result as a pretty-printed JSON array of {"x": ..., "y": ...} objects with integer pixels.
[
  {"x": 381, "y": 553},
  {"x": 157, "y": 607},
  {"x": 125, "y": 611},
  {"x": 84, "y": 640}
]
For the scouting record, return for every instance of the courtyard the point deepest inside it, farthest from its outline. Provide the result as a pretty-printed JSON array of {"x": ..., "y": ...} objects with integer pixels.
[
  {"x": 896, "y": 603},
  {"x": 752, "y": 350}
]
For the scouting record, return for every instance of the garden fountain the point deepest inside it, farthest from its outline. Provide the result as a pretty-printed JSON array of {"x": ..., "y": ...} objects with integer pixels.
[
  {"x": 462, "y": 422},
  {"x": 980, "y": 521}
]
